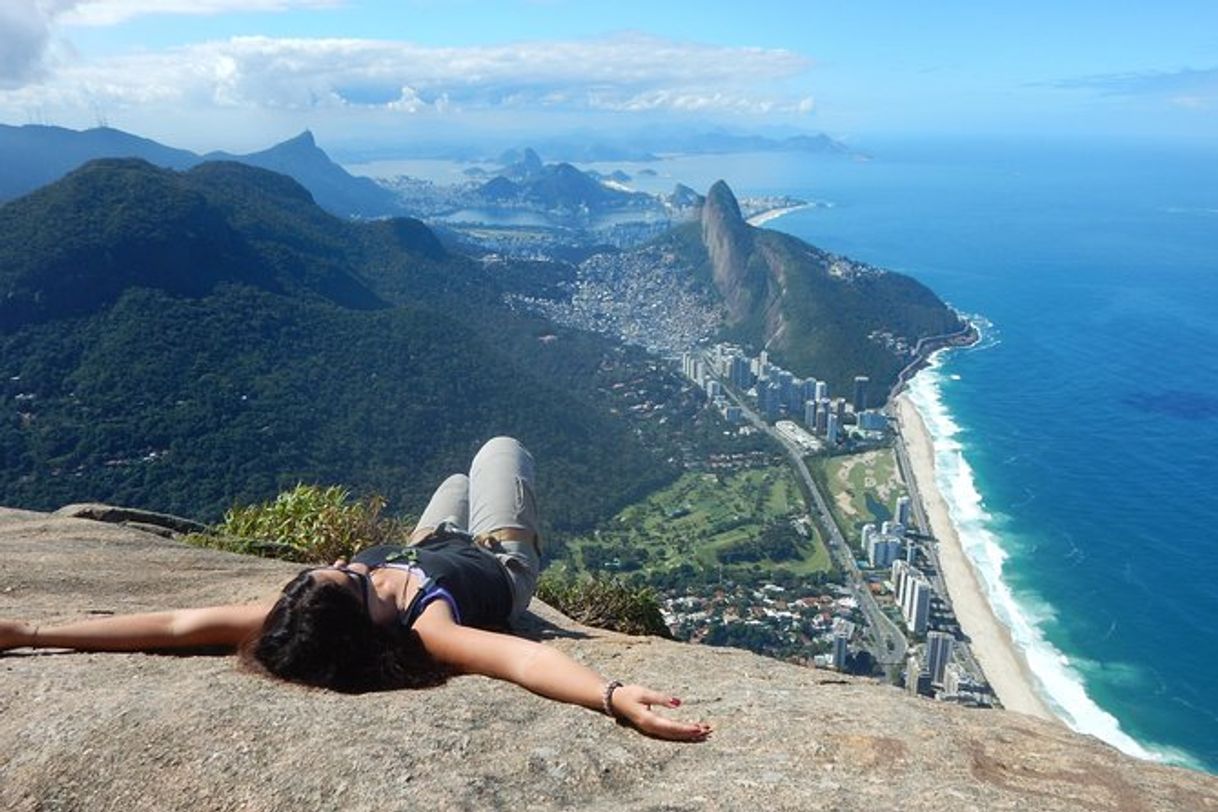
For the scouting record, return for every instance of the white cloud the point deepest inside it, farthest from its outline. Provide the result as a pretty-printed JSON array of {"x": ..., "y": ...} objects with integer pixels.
[
  {"x": 112, "y": 12},
  {"x": 28, "y": 27},
  {"x": 25, "y": 34},
  {"x": 625, "y": 72}
]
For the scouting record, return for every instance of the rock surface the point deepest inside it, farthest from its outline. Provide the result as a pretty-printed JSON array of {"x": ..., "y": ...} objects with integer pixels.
[
  {"x": 140, "y": 731},
  {"x": 729, "y": 244}
]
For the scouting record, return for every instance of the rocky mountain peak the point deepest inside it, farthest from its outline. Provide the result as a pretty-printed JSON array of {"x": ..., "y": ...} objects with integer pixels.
[
  {"x": 303, "y": 144},
  {"x": 728, "y": 242},
  {"x": 531, "y": 160},
  {"x": 305, "y": 139},
  {"x": 721, "y": 205}
]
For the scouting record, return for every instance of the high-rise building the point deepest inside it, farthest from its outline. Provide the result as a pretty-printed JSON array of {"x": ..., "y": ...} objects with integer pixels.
[
  {"x": 761, "y": 365},
  {"x": 843, "y": 630},
  {"x": 872, "y": 420},
  {"x": 839, "y": 408},
  {"x": 810, "y": 414},
  {"x": 774, "y": 401},
  {"x": 822, "y": 390},
  {"x": 903, "y": 510},
  {"x": 917, "y": 615},
  {"x": 822, "y": 417},
  {"x": 831, "y": 431},
  {"x": 900, "y": 572},
  {"x": 953, "y": 679},
  {"x": 795, "y": 398},
  {"x": 839, "y": 652},
  {"x": 912, "y": 671},
  {"x": 910, "y": 574},
  {"x": 938, "y": 655},
  {"x": 883, "y": 550},
  {"x": 786, "y": 383},
  {"x": 860, "y": 392},
  {"x": 739, "y": 373}
]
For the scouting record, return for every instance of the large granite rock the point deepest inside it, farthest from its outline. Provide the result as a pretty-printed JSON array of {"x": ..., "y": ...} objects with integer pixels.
[{"x": 139, "y": 731}]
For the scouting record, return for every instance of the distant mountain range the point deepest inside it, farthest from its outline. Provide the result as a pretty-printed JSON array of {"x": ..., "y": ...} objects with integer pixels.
[
  {"x": 184, "y": 340},
  {"x": 593, "y": 147},
  {"x": 180, "y": 339},
  {"x": 34, "y": 155},
  {"x": 558, "y": 187}
]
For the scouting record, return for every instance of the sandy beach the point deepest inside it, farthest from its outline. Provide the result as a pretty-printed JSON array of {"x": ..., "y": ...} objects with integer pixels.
[
  {"x": 1004, "y": 664},
  {"x": 774, "y": 214}
]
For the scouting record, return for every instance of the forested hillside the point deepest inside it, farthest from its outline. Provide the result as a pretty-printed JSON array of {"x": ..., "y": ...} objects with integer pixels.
[{"x": 184, "y": 341}]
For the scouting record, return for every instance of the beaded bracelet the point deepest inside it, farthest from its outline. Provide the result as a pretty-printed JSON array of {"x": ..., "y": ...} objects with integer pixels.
[{"x": 607, "y": 698}]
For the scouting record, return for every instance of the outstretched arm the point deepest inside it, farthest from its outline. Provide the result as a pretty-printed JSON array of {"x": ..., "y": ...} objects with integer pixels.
[
  {"x": 547, "y": 671},
  {"x": 180, "y": 628}
]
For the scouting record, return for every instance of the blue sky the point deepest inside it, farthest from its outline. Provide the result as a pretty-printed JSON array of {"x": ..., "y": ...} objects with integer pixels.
[{"x": 240, "y": 74}]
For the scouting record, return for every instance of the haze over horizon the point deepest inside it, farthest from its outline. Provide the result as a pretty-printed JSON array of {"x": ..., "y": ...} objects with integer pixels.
[{"x": 241, "y": 74}]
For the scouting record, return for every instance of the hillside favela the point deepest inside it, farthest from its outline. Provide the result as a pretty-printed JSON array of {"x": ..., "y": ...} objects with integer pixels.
[{"x": 536, "y": 405}]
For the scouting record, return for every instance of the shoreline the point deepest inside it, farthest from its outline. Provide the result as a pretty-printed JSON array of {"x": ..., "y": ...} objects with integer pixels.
[
  {"x": 1005, "y": 666},
  {"x": 764, "y": 217}
]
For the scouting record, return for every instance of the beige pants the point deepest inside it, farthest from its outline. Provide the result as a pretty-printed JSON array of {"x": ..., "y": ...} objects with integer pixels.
[{"x": 497, "y": 494}]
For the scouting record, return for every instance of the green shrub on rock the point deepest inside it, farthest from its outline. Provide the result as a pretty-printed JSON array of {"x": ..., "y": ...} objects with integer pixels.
[
  {"x": 308, "y": 524},
  {"x": 604, "y": 602}
]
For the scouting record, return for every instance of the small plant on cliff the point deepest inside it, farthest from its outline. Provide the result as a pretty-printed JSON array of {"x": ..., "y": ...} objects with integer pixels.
[
  {"x": 604, "y": 602},
  {"x": 309, "y": 524}
]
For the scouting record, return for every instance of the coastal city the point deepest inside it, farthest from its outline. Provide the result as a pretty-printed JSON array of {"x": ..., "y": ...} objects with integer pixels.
[
  {"x": 880, "y": 607},
  {"x": 892, "y": 614}
]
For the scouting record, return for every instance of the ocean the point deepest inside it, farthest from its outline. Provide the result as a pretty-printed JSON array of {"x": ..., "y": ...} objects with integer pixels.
[{"x": 1078, "y": 439}]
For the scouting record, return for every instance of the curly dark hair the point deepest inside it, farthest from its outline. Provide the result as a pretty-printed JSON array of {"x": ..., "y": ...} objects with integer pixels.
[{"x": 319, "y": 633}]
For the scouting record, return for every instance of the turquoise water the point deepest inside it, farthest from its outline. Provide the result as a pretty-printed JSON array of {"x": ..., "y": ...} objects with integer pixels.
[{"x": 1076, "y": 443}]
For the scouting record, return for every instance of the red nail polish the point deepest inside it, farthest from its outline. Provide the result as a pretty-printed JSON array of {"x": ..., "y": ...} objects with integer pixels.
[{"x": 675, "y": 702}]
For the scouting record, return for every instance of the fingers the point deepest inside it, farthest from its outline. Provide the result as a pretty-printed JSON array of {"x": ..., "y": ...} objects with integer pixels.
[
  {"x": 339, "y": 562},
  {"x": 655, "y": 725},
  {"x": 636, "y": 707},
  {"x": 650, "y": 697}
]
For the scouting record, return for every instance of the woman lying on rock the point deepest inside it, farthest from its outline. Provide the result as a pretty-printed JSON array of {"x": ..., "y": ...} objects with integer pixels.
[{"x": 399, "y": 616}]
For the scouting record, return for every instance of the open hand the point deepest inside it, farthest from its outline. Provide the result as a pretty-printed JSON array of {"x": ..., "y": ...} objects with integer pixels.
[{"x": 633, "y": 703}]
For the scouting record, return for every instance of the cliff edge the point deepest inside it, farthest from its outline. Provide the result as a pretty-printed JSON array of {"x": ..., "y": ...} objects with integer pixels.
[{"x": 139, "y": 731}]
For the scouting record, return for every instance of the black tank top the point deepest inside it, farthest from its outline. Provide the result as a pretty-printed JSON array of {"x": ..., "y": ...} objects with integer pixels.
[{"x": 473, "y": 577}]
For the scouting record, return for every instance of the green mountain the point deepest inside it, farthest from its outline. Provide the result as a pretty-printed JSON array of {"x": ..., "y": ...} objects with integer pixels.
[
  {"x": 816, "y": 313},
  {"x": 335, "y": 189},
  {"x": 182, "y": 341},
  {"x": 33, "y": 155},
  {"x": 559, "y": 186}
]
